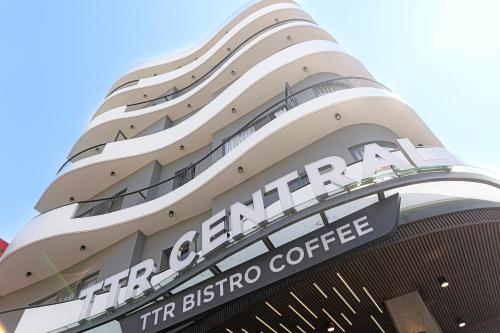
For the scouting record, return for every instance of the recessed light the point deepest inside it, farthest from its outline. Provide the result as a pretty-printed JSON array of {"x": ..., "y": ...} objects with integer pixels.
[
  {"x": 460, "y": 322},
  {"x": 171, "y": 213},
  {"x": 145, "y": 96},
  {"x": 132, "y": 126},
  {"x": 71, "y": 199},
  {"x": 289, "y": 37},
  {"x": 83, "y": 247},
  {"x": 338, "y": 116},
  {"x": 181, "y": 147},
  {"x": 240, "y": 169},
  {"x": 28, "y": 275},
  {"x": 330, "y": 328},
  {"x": 233, "y": 110},
  {"x": 112, "y": 173},
  {"x": 305, "y": 69},
  {"x": 443, "y": 282}
]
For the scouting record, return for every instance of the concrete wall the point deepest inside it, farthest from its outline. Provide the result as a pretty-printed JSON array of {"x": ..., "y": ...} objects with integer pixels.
[
  {"x": 111, "y": 260},
  {"x": 157, "y": 126}
]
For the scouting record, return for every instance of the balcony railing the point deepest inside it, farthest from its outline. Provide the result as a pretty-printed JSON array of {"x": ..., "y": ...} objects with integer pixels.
[
  {"x": 205, "y": 76},
  {"x": 172, "y": 94},
  {"x": 110, "y": 204}
]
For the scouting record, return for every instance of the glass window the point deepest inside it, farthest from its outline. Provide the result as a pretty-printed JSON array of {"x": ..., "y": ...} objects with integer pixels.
[
  {"x": 250, "y": 252},
  {"x": 296, "y": 230}
]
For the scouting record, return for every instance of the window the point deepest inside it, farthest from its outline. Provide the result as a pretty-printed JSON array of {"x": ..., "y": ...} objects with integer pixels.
[
  {"x": 69, "y": 292},
  {"x": 358, "y": 150}
]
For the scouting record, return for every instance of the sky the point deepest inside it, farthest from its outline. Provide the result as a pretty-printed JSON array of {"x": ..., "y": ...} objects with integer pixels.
[{"x": 59, "y": 57}]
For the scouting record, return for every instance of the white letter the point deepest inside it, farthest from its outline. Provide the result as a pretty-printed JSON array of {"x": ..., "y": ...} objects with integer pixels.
[
  {"x": 168, "y": 310},
  {"x": 359, "y": 227},
  {"x": 309, "y": 248},
  {"x": 437, "y": 155},
  {"x": 88, "y": 298},
  {"x": 144, "y": 317},
  {"x": 114, "y": 288},
  {"x": 326, "y": 241},
  {"x": 271, "y": 264},
  {"x": 289, "y": 255},
  {"x": 335, "y": 176},
  {"x": 343, "y": 233},
  {"x": 281, "y": 185},
  {"x": 220, "y": 284},
  {"x": 372, "y": 164},
  {"x": 156, "y": 311},
  {"x": 214, "y": 232},
  {"x": 189, "y": 298},
  {"x": 239, "y": 211},
  {"x": 235, "y": 280},
  {"x": 208, "y": 292},
  {"x": 140, "y": 282},
  {"x": 178, "y": 265},
  {"x": 257, "y": 274}
]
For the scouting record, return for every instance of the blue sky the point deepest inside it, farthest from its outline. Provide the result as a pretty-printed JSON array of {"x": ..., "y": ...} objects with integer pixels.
[{"x": 59, "y": 57}]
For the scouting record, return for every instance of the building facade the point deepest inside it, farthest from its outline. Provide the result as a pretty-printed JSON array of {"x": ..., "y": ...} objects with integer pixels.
[{"x": 263, "y": 181}]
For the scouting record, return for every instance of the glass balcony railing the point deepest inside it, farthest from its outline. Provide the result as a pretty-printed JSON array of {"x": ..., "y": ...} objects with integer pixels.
[{"x": 117, "y": 202}]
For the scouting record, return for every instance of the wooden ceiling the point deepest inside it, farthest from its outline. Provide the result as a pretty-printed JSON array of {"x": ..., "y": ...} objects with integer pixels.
[{"x": 464, "y": 247}]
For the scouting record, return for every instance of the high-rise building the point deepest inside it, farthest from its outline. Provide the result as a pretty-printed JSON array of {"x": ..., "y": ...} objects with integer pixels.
[{"x": 263, "y": 181}]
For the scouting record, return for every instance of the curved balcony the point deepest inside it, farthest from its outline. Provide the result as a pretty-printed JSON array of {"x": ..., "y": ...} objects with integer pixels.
[
  {"x": 164, "y": 83},
  {"x": 178, "y": 105},
  {"x": 171, "y": 62},
  {"x": 279, "y": 139},
  {"x": 106, "y": 205}
]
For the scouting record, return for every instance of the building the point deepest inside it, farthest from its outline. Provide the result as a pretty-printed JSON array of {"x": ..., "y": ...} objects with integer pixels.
[{"x": 263, "y": 181}]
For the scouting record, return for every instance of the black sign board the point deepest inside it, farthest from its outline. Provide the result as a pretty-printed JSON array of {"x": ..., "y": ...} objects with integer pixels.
[{"x": 358, "y": 229}]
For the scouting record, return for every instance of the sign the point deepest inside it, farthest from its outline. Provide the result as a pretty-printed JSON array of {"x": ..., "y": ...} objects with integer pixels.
[
  {"x": 359, "y": 229},
  {"x": 324, "y": 175}
]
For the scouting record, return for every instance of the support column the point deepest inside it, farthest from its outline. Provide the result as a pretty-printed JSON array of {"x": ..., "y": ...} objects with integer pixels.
[{"x": 410, "y": 314}]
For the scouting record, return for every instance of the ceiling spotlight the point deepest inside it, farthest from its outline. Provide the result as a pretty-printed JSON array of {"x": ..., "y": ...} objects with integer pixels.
[
  {"x": 289, "y": 37},
  {"x": 132, "y": 126},
  {"x": 338, "y": 116},
  {"x": 83, "y": 248},
  {"x": 233, "y": 73},
  {"x": 189, "y": 106},
  {"x": 305, "y": 69},
  {"x": 193, "y": 77},
  {"x": 443, "y": 282},
  {"x": 28, "y": 275},
  {"x": 181, "y": 147},
  {"x": 145, "y": 96},
  {"x": 233, "y": 110},
  {"x": 460, "y": 322},
  {"x": 330, "y": 328},
  {"x": 240, "y": 169},
  {"x": 71, "y": 199},
  {"x": 171, "y": 213},
  {"x": 112, "y": 173},
  {"x": 228, "y": 49}
]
